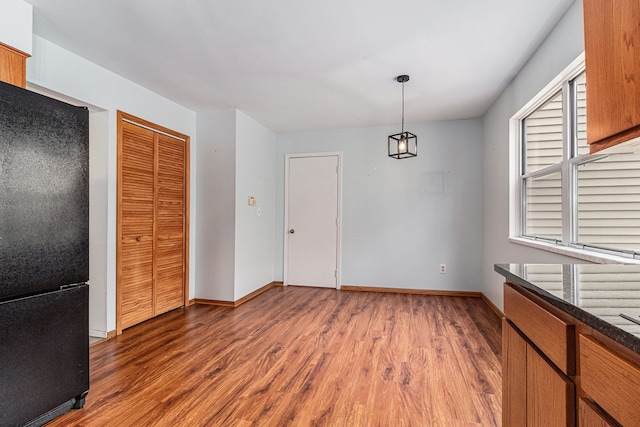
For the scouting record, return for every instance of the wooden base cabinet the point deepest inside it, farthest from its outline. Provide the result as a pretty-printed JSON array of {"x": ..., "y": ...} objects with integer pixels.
[
  {"x": 558, "y": 371},
  {"x": 610, "y": 380},
  {"x": 535, "y": 392},
  {"x": 514, "y": 376},
  {"x": 590, "y": 416},
  {"x": 550, "y": 395}
]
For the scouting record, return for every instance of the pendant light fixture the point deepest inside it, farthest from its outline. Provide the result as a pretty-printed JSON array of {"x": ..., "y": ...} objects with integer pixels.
[{"x": 404, "y": 144}]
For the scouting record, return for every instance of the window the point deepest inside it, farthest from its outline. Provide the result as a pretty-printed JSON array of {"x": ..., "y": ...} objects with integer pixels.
[
  {"x": 563, "y": 195},
  {"x": 542, "y": 145},
  {"x": 608, "y": 203}
]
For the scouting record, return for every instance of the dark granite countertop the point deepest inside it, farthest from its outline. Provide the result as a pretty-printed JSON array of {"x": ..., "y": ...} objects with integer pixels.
[{"x": 595, "y": 294}]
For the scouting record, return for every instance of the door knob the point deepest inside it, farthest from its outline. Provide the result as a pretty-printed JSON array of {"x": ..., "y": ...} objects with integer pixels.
[{"x": 292, "y": 231}]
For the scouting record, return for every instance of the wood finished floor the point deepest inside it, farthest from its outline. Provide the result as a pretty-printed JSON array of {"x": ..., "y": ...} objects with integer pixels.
[{"x": 298, "y": 356}]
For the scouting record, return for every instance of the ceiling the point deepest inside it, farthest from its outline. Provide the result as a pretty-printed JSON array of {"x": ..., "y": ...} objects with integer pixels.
[{"x": 307, "y": 65}]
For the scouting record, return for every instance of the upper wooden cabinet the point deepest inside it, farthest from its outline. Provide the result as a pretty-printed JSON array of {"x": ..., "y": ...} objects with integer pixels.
[
  {"x": 612, "y": 57},
  {"x": 13, "y": 66}
]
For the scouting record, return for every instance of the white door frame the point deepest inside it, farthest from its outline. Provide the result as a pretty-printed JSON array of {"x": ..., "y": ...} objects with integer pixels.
[{"x": 286, "y": 212}]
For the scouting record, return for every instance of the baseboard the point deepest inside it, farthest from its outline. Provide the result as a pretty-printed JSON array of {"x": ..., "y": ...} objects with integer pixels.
[
  {"x": 222, "y": 303},
  {"x": 480, "y": 295},
  {"x": 411, "y": 291},
  {"x": 257, "y": 292},
  {"x": 474, "y": 294},
  {"x": 97, "y": 334},
  {"x": 110, "y": 335},
  {"x": 492, "y": 306}
]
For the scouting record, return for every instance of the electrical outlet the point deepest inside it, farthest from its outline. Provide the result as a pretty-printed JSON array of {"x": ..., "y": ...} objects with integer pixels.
[{"x": 443, "y": 268}]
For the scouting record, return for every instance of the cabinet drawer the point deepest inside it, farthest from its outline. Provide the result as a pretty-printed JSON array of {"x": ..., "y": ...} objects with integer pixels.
[
  {"x": 553, "y": 336},
  {"x": 611, "y": 381}
]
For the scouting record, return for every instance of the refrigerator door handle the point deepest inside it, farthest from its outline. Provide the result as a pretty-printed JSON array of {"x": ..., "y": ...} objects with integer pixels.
[{"x": 73, "y": 285}]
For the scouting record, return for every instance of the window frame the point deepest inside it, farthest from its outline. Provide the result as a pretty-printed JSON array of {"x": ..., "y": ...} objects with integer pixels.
[{"x": 568, "y": 168}]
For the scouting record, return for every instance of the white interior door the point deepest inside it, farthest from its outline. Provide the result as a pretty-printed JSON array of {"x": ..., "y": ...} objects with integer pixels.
[{"x": 312, "y": 226}]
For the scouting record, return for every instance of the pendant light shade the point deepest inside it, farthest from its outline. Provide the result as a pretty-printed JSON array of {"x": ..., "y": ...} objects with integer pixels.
[{"x": 404, "y": 144}]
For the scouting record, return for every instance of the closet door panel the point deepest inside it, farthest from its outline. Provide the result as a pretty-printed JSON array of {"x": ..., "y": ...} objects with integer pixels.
[
  {"x": 136, "y": 230},
  {"x": 170, "y": 220}
]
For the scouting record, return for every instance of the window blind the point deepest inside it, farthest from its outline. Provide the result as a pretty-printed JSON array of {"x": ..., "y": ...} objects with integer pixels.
[
  {"x": 543, "y": 135},
  {"x": 609, "y": 202}
]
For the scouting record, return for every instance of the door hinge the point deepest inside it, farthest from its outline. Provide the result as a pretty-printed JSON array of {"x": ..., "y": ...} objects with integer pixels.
[{"x": 335, "y": 273}]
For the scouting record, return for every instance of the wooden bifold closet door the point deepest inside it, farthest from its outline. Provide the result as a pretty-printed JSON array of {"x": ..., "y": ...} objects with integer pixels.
[{"x": 152, "y": 221}]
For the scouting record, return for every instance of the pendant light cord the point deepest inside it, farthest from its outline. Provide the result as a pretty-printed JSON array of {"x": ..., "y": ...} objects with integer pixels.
[{"x": 402, "y": 107}]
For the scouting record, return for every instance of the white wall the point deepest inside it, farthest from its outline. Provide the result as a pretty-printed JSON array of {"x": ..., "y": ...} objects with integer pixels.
[
  {"x": 60, "y": 73},
  {"x": 561, "y": 47},
  {"x": 16, "y": 23},
  {"x": 98, "y": 229},
  {"x": 402, "y": 218},
  {"x": 235, "y": 247},
  {"x": 216, "y": 164},
  {"x": 255, "y": 176}
]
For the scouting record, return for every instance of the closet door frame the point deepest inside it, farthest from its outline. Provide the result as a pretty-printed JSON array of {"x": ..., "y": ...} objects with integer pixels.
[{"x": 125, "y": 117}]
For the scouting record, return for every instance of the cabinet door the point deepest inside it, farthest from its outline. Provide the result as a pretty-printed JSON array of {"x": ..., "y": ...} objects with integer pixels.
[
  {"x": 612, "y": 59},
  {"x": 514, "y": 377},
  {"x": 136, "y": 218},
  {"x": 590, "y": 417},
  {"x": 550, "y": 395},
  {"x": 170, "y": 223}
]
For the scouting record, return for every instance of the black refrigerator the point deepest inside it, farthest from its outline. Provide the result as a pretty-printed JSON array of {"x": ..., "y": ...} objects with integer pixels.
[{"x": 44, "y": 257}]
